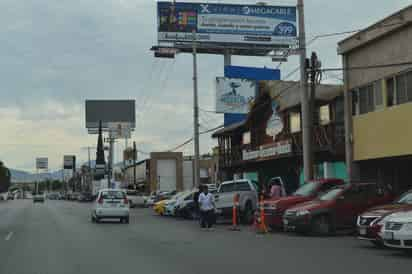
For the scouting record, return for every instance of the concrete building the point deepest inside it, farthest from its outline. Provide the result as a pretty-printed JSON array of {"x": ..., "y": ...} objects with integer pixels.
[
  {"x": 378, "y": 101},
  {"x": 208, "y": 167}
]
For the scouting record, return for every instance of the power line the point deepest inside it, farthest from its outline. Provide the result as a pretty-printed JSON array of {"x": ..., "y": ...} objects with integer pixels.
[{"x": 409, "y": 63}]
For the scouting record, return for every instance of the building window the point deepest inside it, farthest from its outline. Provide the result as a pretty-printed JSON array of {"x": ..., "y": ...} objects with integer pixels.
[
  {"x": 390, "y": 86},
  {"x": 377, "y": 86},
  {"x": 409, "y": 85},
  {"x": 366, "y": 99},
  {"x": 324, "y": 115},
  {"x": 401, "y": 94},
  {"x": 294, "y": 121}
]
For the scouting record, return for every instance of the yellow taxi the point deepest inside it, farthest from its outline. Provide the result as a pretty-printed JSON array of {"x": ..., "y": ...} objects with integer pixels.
[{"x": 160, "y": 206}]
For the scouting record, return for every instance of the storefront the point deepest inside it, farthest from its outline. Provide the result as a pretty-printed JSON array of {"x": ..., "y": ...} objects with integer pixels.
[
  {"x": 269, "y": 142},
  {"x": 378, "y": 104}
]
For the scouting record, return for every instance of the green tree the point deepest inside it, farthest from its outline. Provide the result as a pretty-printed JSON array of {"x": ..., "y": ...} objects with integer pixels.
[
  {"x": 5, "y": 178},
  {"x": 56, "y": 185}
]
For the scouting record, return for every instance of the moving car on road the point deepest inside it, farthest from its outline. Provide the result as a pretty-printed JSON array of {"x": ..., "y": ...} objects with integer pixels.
[
  {"x": 38, "y": 197},
  {"x": 85, "y": 197},
  {"x": 248, "y": 199},
  {"x": 275, "y": 208},
  {"x": 338, "y": 208},
  {"x": 111, "y": 204},
  {"x": 397, "y": 230},
  {"x": 371, "y": 221}
]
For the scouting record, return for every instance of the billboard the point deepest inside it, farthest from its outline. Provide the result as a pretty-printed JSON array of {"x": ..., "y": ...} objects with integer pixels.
[
  {"x": 107, "y": 111},
  {"x": 42, "y": 163},
  {"x": 227, "y": 23},
  {"x": 69, "y": 162},
  {"x": 234, "y": 95}
]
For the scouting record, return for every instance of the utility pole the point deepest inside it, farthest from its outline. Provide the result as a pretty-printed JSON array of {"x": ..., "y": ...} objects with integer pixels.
[
  {"x": 306, "y": 121},
  {"x": 195, "y": 112},
  {"x": 134, "y": 163},
  {"x": 110, "y": 172}
]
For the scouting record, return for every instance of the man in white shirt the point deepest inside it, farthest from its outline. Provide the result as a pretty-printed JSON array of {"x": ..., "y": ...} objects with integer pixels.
[{"x": 207, "y": 208}]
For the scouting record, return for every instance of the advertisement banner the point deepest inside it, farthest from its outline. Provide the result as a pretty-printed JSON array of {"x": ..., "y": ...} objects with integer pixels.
[
  {"x": 42, "y": 163},
  {"x": 227, "y": 23},
  {"x": 69, "y": 161},
  {"x": 234, "y": 95}
]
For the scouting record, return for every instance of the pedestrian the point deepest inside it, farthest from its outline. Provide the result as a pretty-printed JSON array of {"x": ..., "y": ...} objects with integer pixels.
[
  {"x": 207, "y": 208},
  {"x": 276, "y": 190},
  {"x": 196, "y": 202}
]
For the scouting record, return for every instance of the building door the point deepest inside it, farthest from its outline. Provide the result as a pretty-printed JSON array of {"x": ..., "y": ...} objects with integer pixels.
[{"x": 166, "y": 175}]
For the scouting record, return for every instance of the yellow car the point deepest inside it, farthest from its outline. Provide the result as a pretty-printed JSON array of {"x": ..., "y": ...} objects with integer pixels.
[{"x": 160, "y": 207}]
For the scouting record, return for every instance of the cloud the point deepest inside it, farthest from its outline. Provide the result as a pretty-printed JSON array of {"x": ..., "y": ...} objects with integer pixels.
[{"x": 57, "y": 54}]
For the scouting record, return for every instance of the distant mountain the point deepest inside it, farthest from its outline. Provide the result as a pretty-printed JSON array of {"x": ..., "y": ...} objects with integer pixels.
[{"x": 19, "y": 176}]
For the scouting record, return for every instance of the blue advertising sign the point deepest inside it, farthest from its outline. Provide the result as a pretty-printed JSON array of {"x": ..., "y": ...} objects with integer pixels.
[
  {"x": 227, "y": 23},
  {"x": 250, "y": 73}
]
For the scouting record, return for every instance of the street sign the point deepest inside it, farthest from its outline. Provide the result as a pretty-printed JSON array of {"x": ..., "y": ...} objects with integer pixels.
[
  {"x": 42, "y": 163},
  {"x": 119, "y": 130}
]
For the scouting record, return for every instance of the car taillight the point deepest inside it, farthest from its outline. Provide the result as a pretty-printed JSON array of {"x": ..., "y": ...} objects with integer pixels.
[
  {"x": 100, "y": 201},
  {"x": 125, "y": 201}
]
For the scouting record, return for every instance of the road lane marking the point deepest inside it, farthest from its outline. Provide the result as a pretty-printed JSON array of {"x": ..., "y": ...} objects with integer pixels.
[{"x": 8, "y": 237}]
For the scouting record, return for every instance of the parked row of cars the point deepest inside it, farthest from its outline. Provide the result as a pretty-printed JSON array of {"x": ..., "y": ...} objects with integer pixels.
[{"x": 319, "y": 207}]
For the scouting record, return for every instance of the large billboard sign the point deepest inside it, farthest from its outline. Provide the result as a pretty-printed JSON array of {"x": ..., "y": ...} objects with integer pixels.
[
  {"x": 227, "y": 23},
  {"x": 110, "y": 111},
  {"x": 234, "y": 95}
]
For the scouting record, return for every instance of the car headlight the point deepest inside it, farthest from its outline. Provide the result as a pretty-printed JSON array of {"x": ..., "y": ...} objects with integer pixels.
[
  {"x": 408, "y": 226},
  {"x": 302, "y": 212}
]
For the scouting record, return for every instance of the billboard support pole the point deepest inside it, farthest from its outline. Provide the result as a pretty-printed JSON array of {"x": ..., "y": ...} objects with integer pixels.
[
  {"x": 227, "y": 58},
  {"x": 195, "y": 113},
  {"x": 306, "y": 121},
  {"x": 134, "y": 163}
]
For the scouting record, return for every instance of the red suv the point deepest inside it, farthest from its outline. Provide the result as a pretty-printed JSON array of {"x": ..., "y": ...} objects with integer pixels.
[
  {"x": 337, "y": 208},
  {"x": 370, "y": 222},
  {"x": 275, "y": 208}
]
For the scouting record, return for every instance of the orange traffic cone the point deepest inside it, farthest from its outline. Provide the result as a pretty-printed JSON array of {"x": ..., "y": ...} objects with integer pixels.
[
  {"x": 261, "y": 226},
  {"x": 235, "y": 209}
]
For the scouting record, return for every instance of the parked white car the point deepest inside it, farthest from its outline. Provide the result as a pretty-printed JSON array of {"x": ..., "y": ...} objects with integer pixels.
[
  {"x": 248, "y": 199},
  {"x": 397, "y": 230},
  {"x": 170, "y": 205},
  {"x": 111, "y": 204},
  {"x": 136, "y": 199}
]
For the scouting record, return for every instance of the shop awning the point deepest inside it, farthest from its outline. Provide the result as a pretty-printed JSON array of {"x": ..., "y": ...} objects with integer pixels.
[{"x": 226, "y": 131}]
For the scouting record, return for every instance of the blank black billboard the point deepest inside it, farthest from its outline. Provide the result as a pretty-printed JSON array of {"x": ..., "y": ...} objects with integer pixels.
[{"x": 109, "y": 111}]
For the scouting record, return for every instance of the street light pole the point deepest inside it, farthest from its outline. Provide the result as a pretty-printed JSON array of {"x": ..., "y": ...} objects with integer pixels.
[
  {"x": 195, "y": 113},
  {"x": 306, "y": 121}
]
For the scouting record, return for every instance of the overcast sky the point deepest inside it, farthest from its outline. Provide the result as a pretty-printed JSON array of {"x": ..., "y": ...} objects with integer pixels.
[{"x": 55, "y": 54}]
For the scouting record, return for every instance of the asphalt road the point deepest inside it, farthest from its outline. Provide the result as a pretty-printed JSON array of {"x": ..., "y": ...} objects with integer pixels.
[{"x": 58, "y": 237}]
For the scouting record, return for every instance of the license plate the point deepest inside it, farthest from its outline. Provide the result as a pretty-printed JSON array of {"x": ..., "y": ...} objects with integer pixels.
[
  {"x": 113, "y": 205},
  {"x": 388, "y": 235},
  {"x": 285, "y": 222},
  {"x": 362, "y": 231}
]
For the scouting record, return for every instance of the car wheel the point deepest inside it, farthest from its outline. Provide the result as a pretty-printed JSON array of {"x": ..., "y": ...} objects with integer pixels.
[
  {"x": 93, "y": 219},
  {"x": 378, "y": 244},
  {"x": 97, "y": 219},
  {"x": 322, "y": 225},
  {"x": 248, "y": 214},
  {"x": 126, "y": 220}
]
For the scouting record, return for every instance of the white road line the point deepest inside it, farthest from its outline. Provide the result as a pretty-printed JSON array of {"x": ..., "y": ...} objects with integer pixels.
[{"x": 8, "y": 237}]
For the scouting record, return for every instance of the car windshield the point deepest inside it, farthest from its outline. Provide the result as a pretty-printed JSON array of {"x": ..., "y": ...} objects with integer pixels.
[
  {"x": 405, "y": 199},
  {"x": 307, "y": 189},
  {"x": 331, "y": 194},
  {"x": 113, "y": 194}
]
